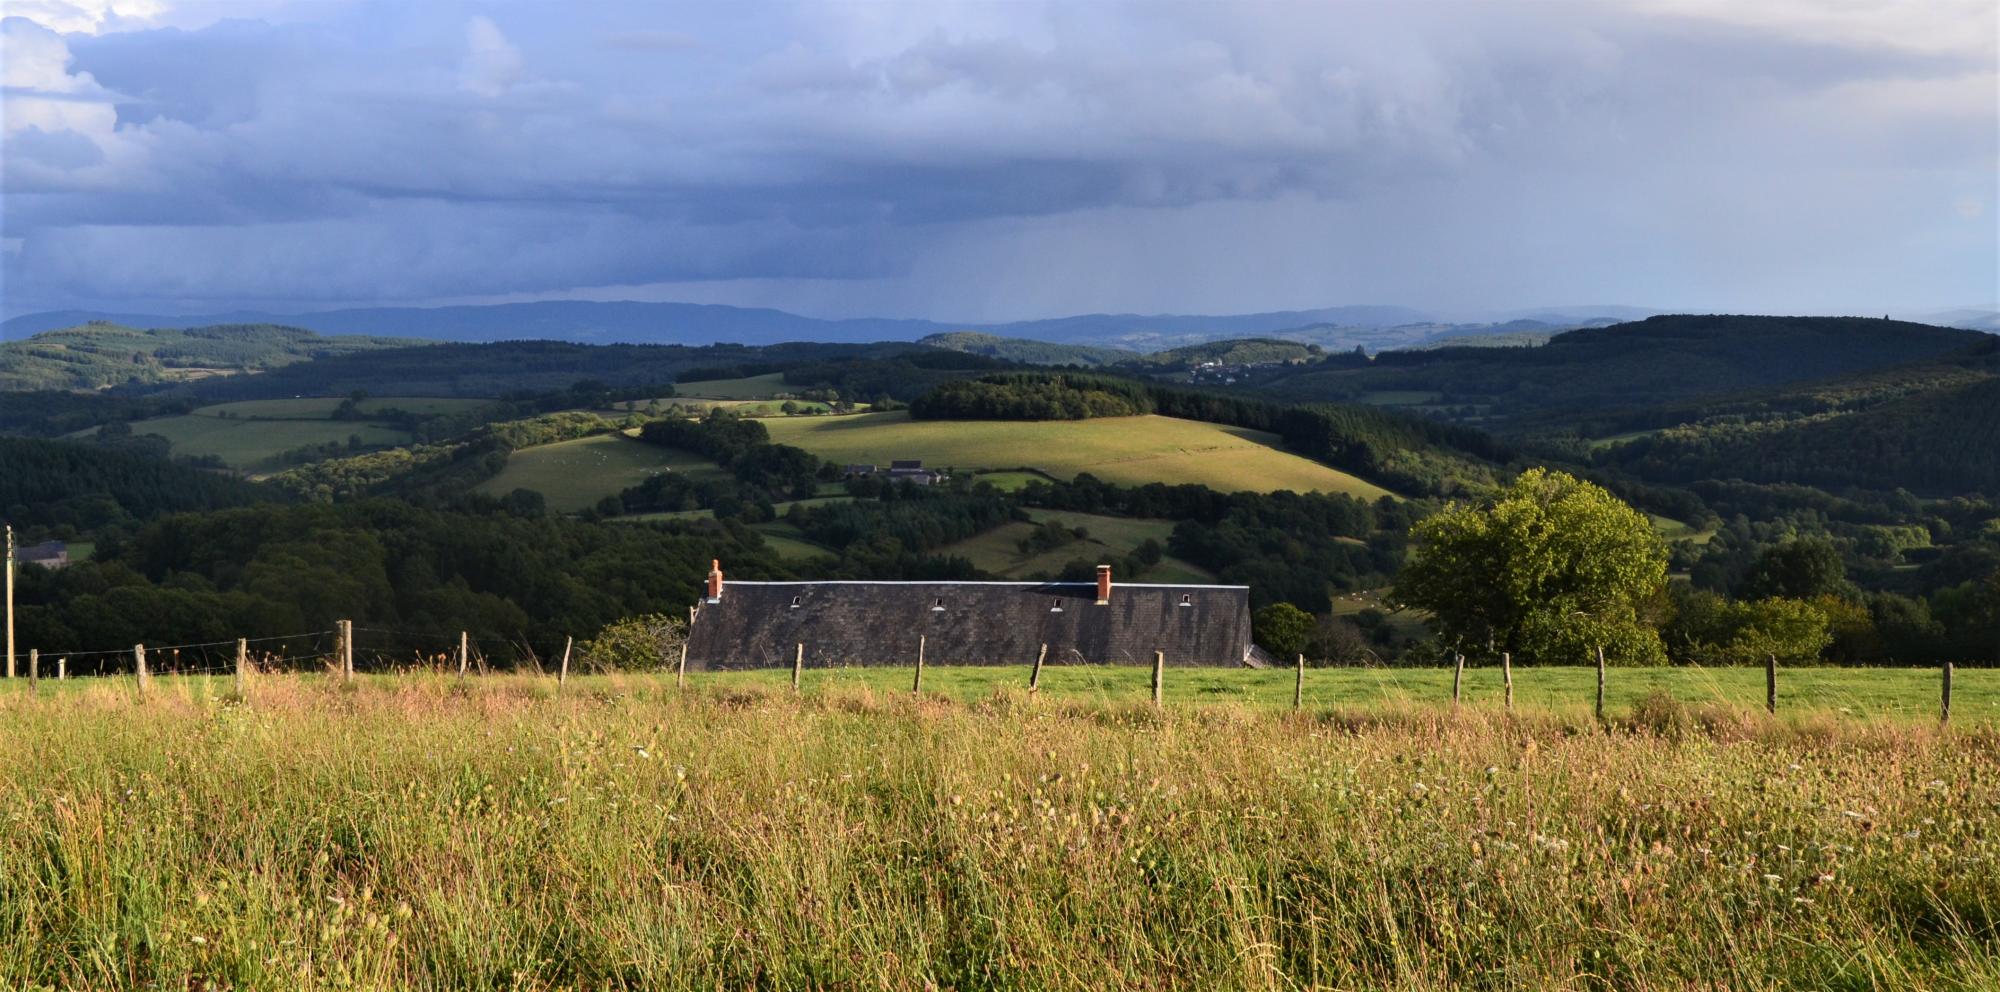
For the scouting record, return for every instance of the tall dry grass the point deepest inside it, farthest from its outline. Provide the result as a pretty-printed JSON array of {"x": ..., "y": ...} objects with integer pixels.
[{"x": 420, "y": 833}]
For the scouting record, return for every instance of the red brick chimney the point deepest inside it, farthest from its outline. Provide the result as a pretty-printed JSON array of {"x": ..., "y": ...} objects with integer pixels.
[
  {"x": 715, "y": 580},
  {"x": 1103, "y": 584}
]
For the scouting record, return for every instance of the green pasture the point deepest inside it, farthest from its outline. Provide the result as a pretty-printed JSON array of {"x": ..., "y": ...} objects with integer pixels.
[
  {"x": 573, "y": 475},
  {"x": 1008, "y": 482},
  {"x": 1860, "y": 695},
  {"x": 756, "y": 387},
  {"x": 322, "y": 407},
  {"x": 1122, "y": 450},
  {"x": 997, "y": 551},
  {"x": 250, "y": 434},
  {"x": 1867, "y": 694},
  {"x": 251, "y": 445}
]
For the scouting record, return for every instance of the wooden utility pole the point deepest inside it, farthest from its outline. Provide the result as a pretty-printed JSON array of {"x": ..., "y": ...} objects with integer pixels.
[
  {"x": 10, "y": 601},
  {"x": 242, "y": 668},
  {"x": 1600, "y": 684},
  {"x": 139, "y": 663},
  {"x": 1035, "y": 676},
  {"x": 798, "y": 666},
  {"x": 1944, "y": 703},
  {"x": 1159, "y": 679},
  {"x": 1457, "y": 676},
  {"x": 464, "y": 655},
  {"x": 1771, "y": 684},
  {"x": 1507, "y": 675},
  {"x": 562, "y": 674},
  {"x": 918, "y": 685},
  {"x": 1299, "y": 684}
]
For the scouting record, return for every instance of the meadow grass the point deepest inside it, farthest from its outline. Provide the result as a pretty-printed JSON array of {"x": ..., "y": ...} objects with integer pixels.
[
  {"x": 574, "y": 475},
  {"x": 1123, "y": 450},
  {"x": 423, "y": 832}
]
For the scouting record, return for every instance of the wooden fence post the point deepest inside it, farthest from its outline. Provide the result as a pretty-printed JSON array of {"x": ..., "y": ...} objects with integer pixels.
[
  {"x": 1035, "y": 676},
  {"x": 1944, "y": 703},
  {"x": 1771, "y": 684},
  {"x": 1299, "y": 684},
  {"x": 1507, "y": 675},
  {"x": 62, "y": 668},
  {"x": 798, "y": 666},
  {"x": 464, "y": 655},
  {"x": 242, "y": 668},
  {"x": 1600, "y": 683},
  {"x": 681, "y": 671},
  {"x": 139, "y": 660},
  {"x": 35, "y": 670},
  {"x": 1159, "y": 678},
  {"x": 347, "y": 650},
  {"x": 1457, "y": 676},
  {"x": 562, "y": 674},
  {"x": 918, "y": 685}
]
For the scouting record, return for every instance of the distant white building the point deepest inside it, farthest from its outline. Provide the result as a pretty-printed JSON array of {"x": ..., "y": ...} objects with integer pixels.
[{"x": 48, "y": 554}]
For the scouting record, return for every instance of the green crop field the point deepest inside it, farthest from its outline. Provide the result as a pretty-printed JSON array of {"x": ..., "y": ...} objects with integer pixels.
[
  {"x": 997, "y": 551},
  {"x": 756, "y": 387},
  {"x": 422, "y": 832},
  {"x": 573, "y": 475},
  {"x": 1124, "y": 450}
]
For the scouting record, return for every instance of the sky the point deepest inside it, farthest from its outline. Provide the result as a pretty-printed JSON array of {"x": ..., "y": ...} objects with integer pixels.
[{"x": 999, "y": 161}]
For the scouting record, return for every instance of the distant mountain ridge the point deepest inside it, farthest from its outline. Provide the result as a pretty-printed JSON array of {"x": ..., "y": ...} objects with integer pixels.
[{"x": 584, "y": 322}]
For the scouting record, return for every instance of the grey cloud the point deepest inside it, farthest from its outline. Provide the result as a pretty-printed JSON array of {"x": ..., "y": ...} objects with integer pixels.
[{"x": 428, "y": 152}]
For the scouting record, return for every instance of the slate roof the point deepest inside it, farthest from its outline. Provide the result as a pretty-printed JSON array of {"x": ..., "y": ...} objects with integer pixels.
[{"x": 755, "y": 625}]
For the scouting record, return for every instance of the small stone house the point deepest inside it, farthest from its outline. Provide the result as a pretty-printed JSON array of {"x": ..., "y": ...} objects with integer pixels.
[{"x": 762, "y": 624}]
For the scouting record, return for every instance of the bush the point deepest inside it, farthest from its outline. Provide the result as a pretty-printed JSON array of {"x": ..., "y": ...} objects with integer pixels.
[{"x": 636, "y": 644}]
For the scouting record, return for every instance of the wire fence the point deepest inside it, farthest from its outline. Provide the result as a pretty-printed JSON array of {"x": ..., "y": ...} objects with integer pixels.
[
  {"x": 347, "y": 650},
  {"x": 372, "y": 650}
]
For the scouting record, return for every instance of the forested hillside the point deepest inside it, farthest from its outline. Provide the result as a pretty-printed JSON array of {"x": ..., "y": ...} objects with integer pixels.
[
  {"x": 1654, "y": 362},
  {"x": 66, "y": 489},
  {"x": 95, "y": 356}
]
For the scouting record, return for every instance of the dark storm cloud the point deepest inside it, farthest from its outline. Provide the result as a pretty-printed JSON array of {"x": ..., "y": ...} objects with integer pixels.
[{"x": 420, "y": 152}]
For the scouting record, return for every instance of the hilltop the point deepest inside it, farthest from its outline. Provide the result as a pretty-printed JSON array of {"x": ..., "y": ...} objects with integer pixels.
[
  {"x": 1649, "y": 363},
  {"x": 100, "y": 355}
]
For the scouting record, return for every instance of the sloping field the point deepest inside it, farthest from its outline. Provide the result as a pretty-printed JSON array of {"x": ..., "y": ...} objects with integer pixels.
[
  {"x": 573, "y": 475},
  {"x": 756, "y": 387},
  {"x": 1123, "y": 450},
  {"x": 252, "y": 444},
  {"x": 997, "y": 551},
  {"x": 247, "y": 435},
  {"x": 322, "y": 407}
]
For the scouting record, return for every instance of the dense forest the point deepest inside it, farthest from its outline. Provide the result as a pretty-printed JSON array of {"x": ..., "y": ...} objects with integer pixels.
[
  {"x": 54, "y": 489},
  {"x": 1032, "y": 397}
]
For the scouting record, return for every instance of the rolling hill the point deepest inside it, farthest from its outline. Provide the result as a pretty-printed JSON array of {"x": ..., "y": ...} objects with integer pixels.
[
  {"x": 1123, "y": 450},
  {"x": 1650, "y": 363},
  {"x": 99, "y": 355}
]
